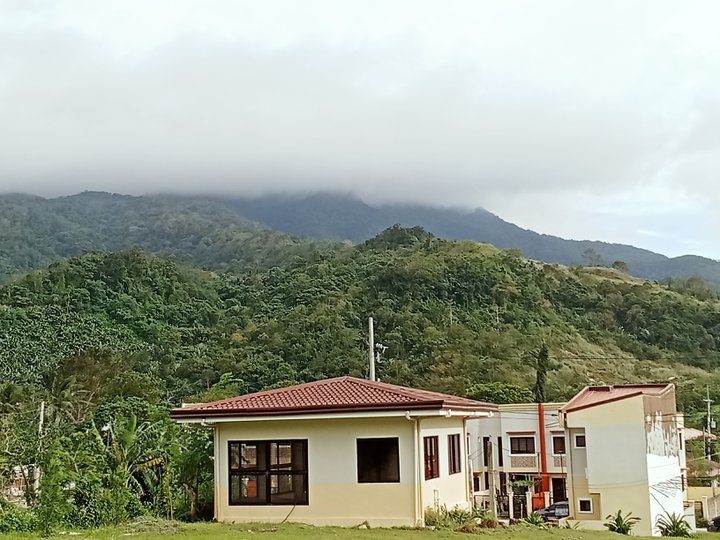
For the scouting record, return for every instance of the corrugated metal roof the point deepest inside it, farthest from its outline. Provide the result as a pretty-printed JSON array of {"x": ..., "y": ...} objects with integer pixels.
[
  {"x": 331, "y": 395},
  {"x": 591, "y": 396}
]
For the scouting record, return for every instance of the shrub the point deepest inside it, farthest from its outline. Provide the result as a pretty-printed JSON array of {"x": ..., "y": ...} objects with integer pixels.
[
  {"x": 449, "y": 519},
  {"x": 14, "y": 519},
  {"x": 673, "y": 525},
  {"x": 620, "y": 524},
  {"x": 535, "y": 520}
]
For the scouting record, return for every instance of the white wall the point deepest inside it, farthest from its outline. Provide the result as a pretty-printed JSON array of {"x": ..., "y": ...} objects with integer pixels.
[{"x": 446, "y": 490}]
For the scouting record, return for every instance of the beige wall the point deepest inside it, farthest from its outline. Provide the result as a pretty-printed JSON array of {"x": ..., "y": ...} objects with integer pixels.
[
  {"x": 630, "y": 462},
  {"x": 335, "y": 496}
]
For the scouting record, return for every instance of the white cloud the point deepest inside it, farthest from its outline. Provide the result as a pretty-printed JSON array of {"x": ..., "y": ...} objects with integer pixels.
[{"x": 543, "y": 112}]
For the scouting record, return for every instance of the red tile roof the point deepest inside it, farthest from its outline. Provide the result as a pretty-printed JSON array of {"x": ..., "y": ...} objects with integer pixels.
[
  {"x": 341, "y": 394},
  {"x": 591, "y": 396}
]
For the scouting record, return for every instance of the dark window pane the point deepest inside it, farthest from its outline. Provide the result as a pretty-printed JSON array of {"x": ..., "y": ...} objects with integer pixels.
[
  {"x": 585, "y": 505},
  {"x": 432, "y": 460},
  {"x": 558, "y": 445},
  {"x": 454, "y": 454},
  {"x": 522, "y": 445},
  {"x": 234, "y": 456},
  {"x": 248, "y": 489},
  {"x": 288, "y": 489},
  {"x": 580, "y": 441},
  {"x": 378, "y": 460},
  {"x": 252, "y": 456}
]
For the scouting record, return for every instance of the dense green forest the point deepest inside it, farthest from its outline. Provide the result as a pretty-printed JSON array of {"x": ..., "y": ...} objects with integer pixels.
[
  {"x": 241, "y": 233},
  {"x": 35, "y": 231},
  {"x": 109, "y": 340}
]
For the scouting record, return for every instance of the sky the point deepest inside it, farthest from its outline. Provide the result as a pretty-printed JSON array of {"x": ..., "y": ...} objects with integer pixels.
[{"x": 588, "y": 120}]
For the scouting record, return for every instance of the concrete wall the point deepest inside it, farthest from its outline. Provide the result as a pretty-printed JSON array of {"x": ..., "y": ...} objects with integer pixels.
[
  {"x": 335, "y": 496},
  {"x": 631, "y": 461},
  {"x": 448, "y": 490}
]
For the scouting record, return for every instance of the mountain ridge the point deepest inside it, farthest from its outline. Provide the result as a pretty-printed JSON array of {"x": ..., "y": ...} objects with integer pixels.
[{"x": 238, "y": 233}]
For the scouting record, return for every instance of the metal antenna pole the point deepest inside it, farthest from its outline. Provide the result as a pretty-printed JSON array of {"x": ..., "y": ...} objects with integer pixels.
[{"x": 371, "y": 347}]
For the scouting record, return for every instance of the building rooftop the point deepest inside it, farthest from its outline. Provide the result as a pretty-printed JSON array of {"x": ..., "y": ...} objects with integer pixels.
[
  {"x": 591, "y": 396},
  {"x": 341, "y": 394}
]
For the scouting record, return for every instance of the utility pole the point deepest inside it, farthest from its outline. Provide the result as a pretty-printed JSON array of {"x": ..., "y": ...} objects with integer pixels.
[
  {"x": 371, "y": 347},
  {"x": 491, "y": 478},
  {"x": 36, "y": 471},
  {"x": 708, "y": 437}
]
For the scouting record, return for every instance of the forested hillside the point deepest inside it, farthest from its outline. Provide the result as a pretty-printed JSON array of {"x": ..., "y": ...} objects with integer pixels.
[
  {"x": 451, "y": 314},
  {"x": 339, "y": 217},
  {"x": 241, "y": 234},
  {"x": 35, "y": 231}
]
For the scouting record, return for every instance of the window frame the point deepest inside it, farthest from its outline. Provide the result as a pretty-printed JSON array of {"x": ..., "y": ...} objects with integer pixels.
[
  {"x": 526, "y": 438},
  {"x": 454, "y": 454},
  {"x": 431, "y": 455},
  {"x": 575, "y": 440},
  {"x": 582, "y": 500},
  {"x": 268, "y": 471},
  {"x": 562, "y": 438},
  {"x": 357, "y": 460}
]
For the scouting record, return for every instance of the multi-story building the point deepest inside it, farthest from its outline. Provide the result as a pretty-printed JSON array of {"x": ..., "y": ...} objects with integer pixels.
[
  {"x": 520, "y": 454},
  {"x": 609, "y": 448}
]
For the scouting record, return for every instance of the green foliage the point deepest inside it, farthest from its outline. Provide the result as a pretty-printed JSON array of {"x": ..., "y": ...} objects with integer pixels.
[
  {"x": 500, "y": 393},
  {"x": 15, "y": 519},
  {"x": 673, "y": 525},
  {"x": 620, "y": 524},
  {"x": 535, "y": 520},
  {"x": 453, "y": 518}
]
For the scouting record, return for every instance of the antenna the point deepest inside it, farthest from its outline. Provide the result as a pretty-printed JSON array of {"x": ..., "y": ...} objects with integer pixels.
[{"x": 371, "y": 348}]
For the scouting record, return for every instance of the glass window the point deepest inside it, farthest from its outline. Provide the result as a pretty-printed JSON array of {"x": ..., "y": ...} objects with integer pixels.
[
  {"x": 585, "y": 506},
  {"x": 454, "y": 454},
  {"x": 378, "y": 460},
  {"x": 268, "y": 472},
  {"x": 558, "y": 445},
  {"x": 522, "y": 445},
  {"x": 432, "y": 459},
  {"x": 579, "y": 441}
]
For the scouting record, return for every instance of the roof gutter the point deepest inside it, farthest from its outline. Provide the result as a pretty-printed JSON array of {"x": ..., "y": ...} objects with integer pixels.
[{"x": 210, "y": 419}]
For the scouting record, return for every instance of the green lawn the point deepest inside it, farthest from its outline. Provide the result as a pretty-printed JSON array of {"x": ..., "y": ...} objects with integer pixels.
[{"x": 293, "y": 531}]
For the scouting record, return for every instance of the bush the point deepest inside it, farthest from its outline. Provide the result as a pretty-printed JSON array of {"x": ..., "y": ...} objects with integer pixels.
[
  {"x": 14, "y": 519},
  {"x": 449, "y": 519},
  {"x": 620, "y": 524},
  {"x": 673, "y": 525},
  {"x": 535, "y": 520}
]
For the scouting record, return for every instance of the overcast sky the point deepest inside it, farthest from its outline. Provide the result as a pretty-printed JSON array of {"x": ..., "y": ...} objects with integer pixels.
[{"x": 589, "y": 120}]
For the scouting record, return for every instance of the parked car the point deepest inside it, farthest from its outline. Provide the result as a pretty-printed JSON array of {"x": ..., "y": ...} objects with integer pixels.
[
  {"x": 555, "y": 511},
  {"x": 714, "y": 524}
]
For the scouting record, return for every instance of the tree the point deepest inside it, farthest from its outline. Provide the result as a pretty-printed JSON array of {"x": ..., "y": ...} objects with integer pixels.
[
  {"x": 501, "y": 393},
  {"x": 621, "y": 266},
  {"x": 592, "y": 257},
  {"x": 542, "y": 366}
]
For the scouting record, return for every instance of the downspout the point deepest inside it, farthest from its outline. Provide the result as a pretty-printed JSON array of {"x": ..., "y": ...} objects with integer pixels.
[
  {"x": 216, "y": 440},
  {"x": 466, "y": 472},
  {"x": 544, "y": 477},
  {"x": 417, "y": 504}
]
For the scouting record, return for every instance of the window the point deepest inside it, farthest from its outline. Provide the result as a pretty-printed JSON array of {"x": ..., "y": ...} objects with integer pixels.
[
  {"x": 500, "y": 452},
  {"x": 522, "y": 445},
  {"x": 454, "y": 454},
  {"x": 486, "y": 451},
  {"x": 268, "y": 472},
  {"x": 585, "y": 506},
  {"x": 432, "y": 461},
  {"x": 378, "y": 460},
  {"x": 558, "y": 445},
  {"x": 579, "y": 441}
]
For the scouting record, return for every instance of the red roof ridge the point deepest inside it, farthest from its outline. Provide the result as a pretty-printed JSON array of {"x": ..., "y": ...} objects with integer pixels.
[{"x": 343, "y": 393}]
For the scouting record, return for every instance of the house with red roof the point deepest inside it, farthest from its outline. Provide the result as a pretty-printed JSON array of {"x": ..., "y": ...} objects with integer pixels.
[
  {"x": 339, "y": 451},
  {"x": 625, "y": 451}
]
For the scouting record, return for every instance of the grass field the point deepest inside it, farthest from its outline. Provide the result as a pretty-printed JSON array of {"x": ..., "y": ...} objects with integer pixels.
[{"x": 187, "y": 531}]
